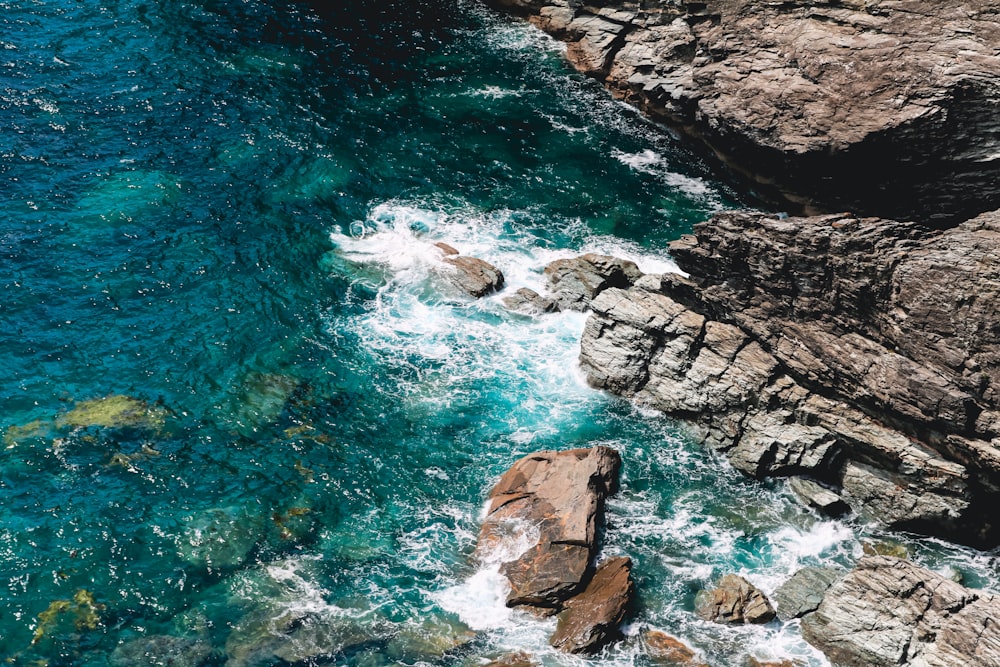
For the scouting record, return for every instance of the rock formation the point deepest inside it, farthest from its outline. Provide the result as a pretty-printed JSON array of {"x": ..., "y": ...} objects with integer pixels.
[
  {"x": 734, "y": 601},
  {"x": 474, "y": 276},
  {"x": 861, "y": 353},
  {"x": 574, "y": 282},
  {"x": 891, "y": 612},
  {"x": 804, "y": 591},
  {"x": 878, "y": 106},
  {"x": 550, "y": 503}
]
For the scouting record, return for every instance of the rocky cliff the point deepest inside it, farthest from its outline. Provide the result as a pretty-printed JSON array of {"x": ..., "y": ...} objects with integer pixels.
[
  {"x": 882, "y": 107},
  {"x": 861, "y": 354}
]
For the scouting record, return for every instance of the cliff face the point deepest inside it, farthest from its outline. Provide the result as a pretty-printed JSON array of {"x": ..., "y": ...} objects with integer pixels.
[
  {"x": 883, "y": 107},
  {"x": 863, "y": 354}
]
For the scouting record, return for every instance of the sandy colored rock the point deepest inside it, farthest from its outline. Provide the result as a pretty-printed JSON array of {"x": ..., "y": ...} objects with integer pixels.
[
  {"x": 734, "y": 601},
  {"x": 669, "y": 651}
]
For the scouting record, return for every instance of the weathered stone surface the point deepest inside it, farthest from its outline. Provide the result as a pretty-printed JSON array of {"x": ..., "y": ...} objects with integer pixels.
[
  {"x": 804, "y": 591},
  {"x": 734, "y": 601},
  {"x": 860, "y": 353},
  {"x": 513, "y": 660},
  {"x": 472, "y": 275},
  {"x": 593, "y": 617},
  {"x": 891, "y": 612},
  {"x": 882, "y": 107},
  {"x": 558, "y": 496},
  {"x": 162, "y": 650},
  {"x": 576, "y": 281},
  {"x": 663, "y": 649},
  {"x": 526, "y": 300},
  {"x": 819, "y": 497}
]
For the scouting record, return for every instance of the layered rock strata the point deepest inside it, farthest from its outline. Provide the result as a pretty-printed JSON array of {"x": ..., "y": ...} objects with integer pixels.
[
  {"x": 879, "y": 106},
  {"x": 863, "y": 354},
  {"x": 549, "y": 505},
  {"x": 891, "y": 612}
]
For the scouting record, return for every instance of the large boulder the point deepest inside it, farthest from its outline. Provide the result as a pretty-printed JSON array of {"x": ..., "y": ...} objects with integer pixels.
[
  {"x": 877, "y": 106},
  {"x": 557, "y": 498},
  {"x": 476, "y": 277},
  {"x": 804, "y": 591},
  {"x": 859, "y": 353},
  {"x": 593, "y": 618},
  {"x": 734, "y": 601},
  {"x": 574, "y": 282},
  {"x": 891, "y": 612}
]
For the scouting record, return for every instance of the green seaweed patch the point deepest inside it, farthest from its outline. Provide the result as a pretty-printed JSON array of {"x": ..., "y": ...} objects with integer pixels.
[
  {"x": 16, "y": 434},
  {"x": 85, "y": 611},
  {"x": 114, "y": 411}
]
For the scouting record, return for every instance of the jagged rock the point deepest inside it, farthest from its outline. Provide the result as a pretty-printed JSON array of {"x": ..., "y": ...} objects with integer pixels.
[
  {"x": 669, "y": 651},
  {"x": 575, "y": 282},
  {"x": 757, "y": 662},
  {"x": 860, "y": 353},
  {"x": 162, "y": 650},
  {"x": 560, "y": 496},
  {"x": 817, "y": 496},
  {"x": 529, "y": 301},
  {"x": 734, "y": 601},
  {"x": 474, "y": 276},
  {"x": 593, "y": 618},
  {"x": 804, "y": 591},
  {"x": 879, "y": 106},
  {"x": 890, "y": 612}
]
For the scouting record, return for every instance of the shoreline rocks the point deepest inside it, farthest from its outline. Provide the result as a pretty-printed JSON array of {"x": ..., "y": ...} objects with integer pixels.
[
  {"x": 734, "y": 601},
  {"x": 542, "y": 526},
  {"x": 881, "y": 107},
  {"x": 861, "y": 354},
  {"x": 890, "y": 612}
]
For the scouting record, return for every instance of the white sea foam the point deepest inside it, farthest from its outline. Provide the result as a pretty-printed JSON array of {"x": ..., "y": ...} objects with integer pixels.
[{"x": 652, "y": 163}]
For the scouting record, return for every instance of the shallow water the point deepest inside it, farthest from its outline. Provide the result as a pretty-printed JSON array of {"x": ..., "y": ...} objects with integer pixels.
[{"x": 244, "y": 420}]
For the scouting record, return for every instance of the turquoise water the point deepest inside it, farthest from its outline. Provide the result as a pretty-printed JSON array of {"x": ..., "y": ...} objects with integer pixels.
[{"x": 245, "y": 423}]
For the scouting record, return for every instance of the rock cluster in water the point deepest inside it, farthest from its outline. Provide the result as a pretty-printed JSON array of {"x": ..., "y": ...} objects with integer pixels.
[
  {"x": 545, "y": 513},
  {"x": 878, "y": 106},
  {"x": 861, "y": 354}
]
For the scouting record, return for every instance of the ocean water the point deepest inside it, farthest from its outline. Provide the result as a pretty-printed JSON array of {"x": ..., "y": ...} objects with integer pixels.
[{"x": 245, "y": 422}]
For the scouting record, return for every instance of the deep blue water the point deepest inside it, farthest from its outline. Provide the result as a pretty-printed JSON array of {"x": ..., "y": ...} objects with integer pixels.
[{"x": 245, "y": 423}]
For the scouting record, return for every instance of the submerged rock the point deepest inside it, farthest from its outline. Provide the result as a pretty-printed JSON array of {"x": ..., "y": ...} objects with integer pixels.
[
  {"x": 882, "y": 107},
  {"x": 561, "y": 495},
  {"x": 860, "y": 353},
  {"x": 734, "y": 601},
  {"x": 115, "y": 411},
  {"x": 575, "y": 282},
  {"x": 890, "y": 612},
  {"x": 156, "y": 650},
  {"x": 592, "y": 618}
]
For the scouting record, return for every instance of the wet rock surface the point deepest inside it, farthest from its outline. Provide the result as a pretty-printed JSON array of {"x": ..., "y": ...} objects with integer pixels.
[
  {"x": 861, "y": 353},
  {"x": 549, "y": 506},
  {"x": 592, "y": 619},
  {"x": 891, "y": 612},
  {"x": 476, "y": 277},
  {"x": 574, "y": 282},
  {"x": 734, "y": 601},
  {"x": 804, "y": 591},
  {"x": 883, "y": 107}
]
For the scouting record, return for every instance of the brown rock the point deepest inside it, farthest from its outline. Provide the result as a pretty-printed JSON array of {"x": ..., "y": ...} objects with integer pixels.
[
  {"x": 593, "y": 618},
  {"x": 529, "y": 301},
  {"x": 472, "y": 275},
  {"x": 575, "y": 282},
  {"x": 663, "y": 649},
  {"x": 513, "y": 660},
  {"x": 734, "y": 601},
  {"x": 561, "y": 496}
]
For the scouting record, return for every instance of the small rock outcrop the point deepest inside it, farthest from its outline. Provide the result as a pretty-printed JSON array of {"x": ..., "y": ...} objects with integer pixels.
[
  {"x": 669, "y": 651},
  {"x": 891, "y": 612},
  {"x": 549, "y": 505},
  {"x": 474, "y": 276},
  {"x": 530, "y": 302},
  {"x": 877, "y": 106},
  {"x": 860, "y": 353},
  {"x": 734, "y": 601},
  {"x": 804, "y": 591},
  {"x": 593, "y": 618},
  {"x": 574, "y": 282}
]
